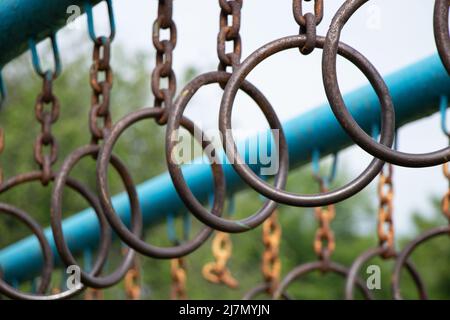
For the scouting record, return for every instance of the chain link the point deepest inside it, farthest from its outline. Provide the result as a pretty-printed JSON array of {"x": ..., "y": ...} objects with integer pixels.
[
  {"x": 164, "y": 58},
  {"x": 45, "y": 139},
  {"x": 324, "y": 241},
  {"x": 133, "y": 289},
  {"x": 385, "y": 218},
  {"x": 271, "y": 262},
  {"x": 100, "y": 121},
  {"x": 229, "y": 33},
  {"x": 217, "y": 271},
  {"x": 178, "y": 271}
]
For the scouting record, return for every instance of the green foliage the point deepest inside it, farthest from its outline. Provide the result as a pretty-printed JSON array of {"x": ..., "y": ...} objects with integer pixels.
[{"x": 141, "y": 148}]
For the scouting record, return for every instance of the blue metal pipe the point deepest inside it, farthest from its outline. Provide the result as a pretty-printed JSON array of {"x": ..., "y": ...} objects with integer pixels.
[
  {"x": 416, "y": 91},
  {"x": 37, "y": 19}
]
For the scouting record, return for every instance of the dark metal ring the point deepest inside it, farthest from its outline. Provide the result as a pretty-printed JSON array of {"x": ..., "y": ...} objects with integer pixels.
[
  {"x": 358, "y": 135},
  {"x": 277, "y": 193},
  {"x": 46, "y": 275},
  {"x": 374, "y": 252},
  {"x": 321, "y": 266},
  {"x": 75, "y": 185},
  {"x": 175, "y": 117},
  {"x": 90, "y": 278},
  {"x": 262, "y": 289},
  {"x": 441, "y": 31},
  {"x": 406, "y": 252},
  {"x": 129, "y": 237}
]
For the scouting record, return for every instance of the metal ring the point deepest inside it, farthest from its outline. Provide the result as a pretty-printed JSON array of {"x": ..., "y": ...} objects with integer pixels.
[
  {"x": 45, "y": 247},
  {"x": 277, "y": 193},
  {"x": 374, "y": 252},
  {"x": 406, "y": 252},
  {"x": 175, "y": 117},
  {"x": 89, "y": 278},
  {"x": 37, "y": 176},
  {"x": 343, "y": 115},
  {"x": 262, "y": 289},
  {"x": 441, "y": 31},
  {"x": 129, "y": 237},
  {"x": 322, "y": 266}
]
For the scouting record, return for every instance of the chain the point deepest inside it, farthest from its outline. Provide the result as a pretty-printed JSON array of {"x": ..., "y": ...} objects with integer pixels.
[
  {"x": 385, "y": 210},
  {"x": 229, "y": 33},
  {"x": 271, "y": 263},
  {"x": 164, "y": 58},
  {"x": 101, "y": 90},
  {"x": 445, "y": 204},
  {"x": 324, "y": 242},
  {"x": 178, "y": 271},
  {"x": 308, "y": 23},
  {"x": 217, "y": 271},
  {"x": 46, "y": 139},
  {"x": 132, "y": 282}
]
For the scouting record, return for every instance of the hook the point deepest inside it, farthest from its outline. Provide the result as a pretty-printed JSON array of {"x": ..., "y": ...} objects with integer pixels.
[
  {"x": 327, "y": 180},
  {"x": 36, "y": 60},
  {"x": 91, "y": 27}
]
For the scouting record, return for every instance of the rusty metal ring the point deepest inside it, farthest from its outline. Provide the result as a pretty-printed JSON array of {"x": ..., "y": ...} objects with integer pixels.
[
  {"x": 441, "y": 31},
  {"x": 276, "y": 193},
  {"x": 90, "y": 279},
  {"x": 75, "y": 185},
  {"x": 173, "y": 123},
  {"x": 351, "y": 127},
  {"x": 262, "y": 289},
  {"x": 406, "y": 252},
  {"x": 45, "y": 247},
  {"x": 129, "y": 237},
  {"x": 322, "y": 266},
  {"x": 374, "y": 252}
]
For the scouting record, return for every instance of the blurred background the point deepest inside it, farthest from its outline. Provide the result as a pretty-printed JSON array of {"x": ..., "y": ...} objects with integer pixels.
[{"x": 391, "y": 34}]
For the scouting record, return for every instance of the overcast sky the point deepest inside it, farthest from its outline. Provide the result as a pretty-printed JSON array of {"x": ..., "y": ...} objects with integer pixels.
[{"x": 392, "y": 34}]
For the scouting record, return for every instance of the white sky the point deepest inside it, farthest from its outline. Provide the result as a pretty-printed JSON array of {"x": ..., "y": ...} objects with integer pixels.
[{"x": 403, "y": 26}]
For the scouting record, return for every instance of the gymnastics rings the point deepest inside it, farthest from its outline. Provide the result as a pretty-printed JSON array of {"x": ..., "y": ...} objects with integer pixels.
[
  {"x": 406, "y": 252},
  {"x": 127, "y": 236},
  {"x": 175, "y": 118},
  {"x": 322, "y": 266},
  {"x": 277, "y": 193},
  {"x": 48, "y": 257},
  {"x": 88, "y": 278},
  {"x": 340, "y": 110},
  {"x": 374, "y": 252}
]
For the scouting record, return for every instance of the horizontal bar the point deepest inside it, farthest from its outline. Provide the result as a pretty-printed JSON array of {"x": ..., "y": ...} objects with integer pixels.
[
  {"x": 22, "y": 19},
  {"x": 416, "y": 91}
]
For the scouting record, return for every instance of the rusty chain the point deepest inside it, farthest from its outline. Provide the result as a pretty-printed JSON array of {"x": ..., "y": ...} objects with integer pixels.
[
  {"x": 385, "y": 228},
  {"x": 229, "y": 33},
  {"x": 100, "y": 121},
  {"x": 217, "y": 271},
  {"x": 324, "y": 241},
  {"x": 163, "y": 70},
  {"x": 46, "y": 140},
  {"x": 178, "y": 272},
  {"x": 271, "y": 262},
  {"x": 132, "y": 282}
]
